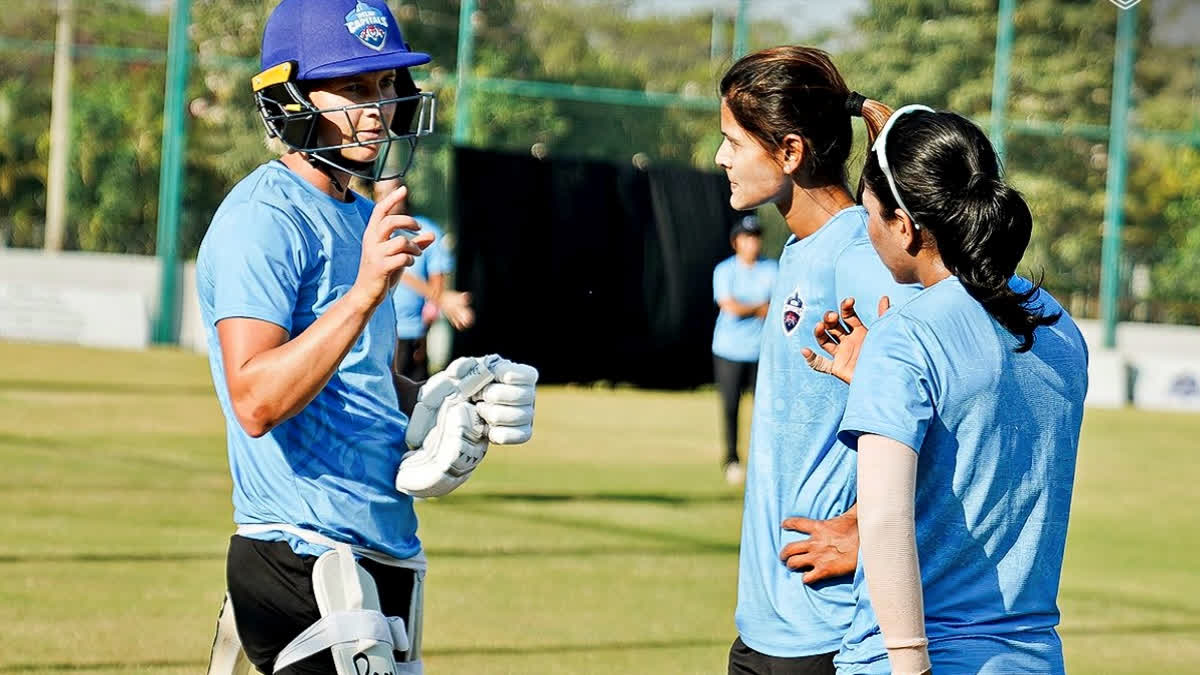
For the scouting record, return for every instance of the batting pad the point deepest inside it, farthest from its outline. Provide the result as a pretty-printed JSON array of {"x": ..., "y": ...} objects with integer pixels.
[
  {"x": 352, "y": 625},
  {"x": 227, "y": 657}
]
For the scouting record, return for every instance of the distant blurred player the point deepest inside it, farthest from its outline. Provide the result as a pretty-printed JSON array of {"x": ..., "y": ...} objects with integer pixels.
[
  {"x": 326, "y": 447},
  {"x": 965, "y": 408},
  {"x": 422, "y": 293},
  {"x": 786, "y": 118},
  {"x": 742, "y": 285}
]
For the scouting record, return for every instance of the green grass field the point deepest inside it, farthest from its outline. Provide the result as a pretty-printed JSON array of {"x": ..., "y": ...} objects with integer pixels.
[{"x": 607, "y": 545}]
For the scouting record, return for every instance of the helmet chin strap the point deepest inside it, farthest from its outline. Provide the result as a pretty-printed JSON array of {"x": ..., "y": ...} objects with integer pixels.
[{"x": 329, "y": 162}]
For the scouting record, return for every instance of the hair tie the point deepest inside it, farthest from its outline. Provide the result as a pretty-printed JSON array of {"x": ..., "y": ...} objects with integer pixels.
[{"x": 854, "y": 103}]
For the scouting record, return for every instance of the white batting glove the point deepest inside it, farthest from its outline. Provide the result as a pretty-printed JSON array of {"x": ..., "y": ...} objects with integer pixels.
[
  {"x": 458, "y": 411},
  {"x": 506, "y": 404},
  {"x": 450, "y": 452},
  {"x": 464, "y": 377}
]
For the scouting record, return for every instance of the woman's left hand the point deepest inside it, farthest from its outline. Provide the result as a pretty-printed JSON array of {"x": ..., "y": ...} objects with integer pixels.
[{"x": 842, "y": 338}]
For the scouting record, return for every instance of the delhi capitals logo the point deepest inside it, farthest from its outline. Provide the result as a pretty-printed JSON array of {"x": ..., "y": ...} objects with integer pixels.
[
  {"x": 368, "y": 24},
  {"x": 793, "y": 312}
]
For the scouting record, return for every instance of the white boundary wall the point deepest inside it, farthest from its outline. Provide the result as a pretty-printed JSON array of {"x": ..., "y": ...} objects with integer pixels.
[
  {"x": 109, "y": 300},
  {"x": 93, "y": 299}
]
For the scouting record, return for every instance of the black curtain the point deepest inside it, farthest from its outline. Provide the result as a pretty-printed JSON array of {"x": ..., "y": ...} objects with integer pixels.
[{"x": 591, "y": 270}]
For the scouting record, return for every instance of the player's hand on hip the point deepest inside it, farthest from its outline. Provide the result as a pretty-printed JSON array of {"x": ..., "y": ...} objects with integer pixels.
[
  {"x": 385, "y": 256},
  {"x": 831, "y": 549},
  {"x": 840, "y": 335}
]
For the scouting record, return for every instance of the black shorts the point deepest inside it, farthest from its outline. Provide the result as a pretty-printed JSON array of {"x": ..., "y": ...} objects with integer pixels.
[
  {"x": 412, "y": 359},
  {"x": 745, "y": 661},
  {"x": 271, "y": 589}
]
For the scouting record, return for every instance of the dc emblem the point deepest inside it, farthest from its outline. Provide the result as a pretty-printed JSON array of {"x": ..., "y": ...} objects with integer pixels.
[
  {"x": 368, "y": 24},
  {"x": 793, "y": 312}
]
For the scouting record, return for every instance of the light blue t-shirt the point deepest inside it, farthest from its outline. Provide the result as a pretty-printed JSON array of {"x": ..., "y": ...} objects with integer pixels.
[
  {"x": 410, "y": 304},
  {"x": 796, "y": 465},
  {"x": 997, "y": 434},
  {"x": 280, "y": 250},
  {"x": 738, "y": 338}
]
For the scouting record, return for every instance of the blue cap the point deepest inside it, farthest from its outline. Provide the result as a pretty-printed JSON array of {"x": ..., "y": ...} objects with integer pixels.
[
  {"x": 334, "y": 38},
  {"x": 746, "y": 225}
]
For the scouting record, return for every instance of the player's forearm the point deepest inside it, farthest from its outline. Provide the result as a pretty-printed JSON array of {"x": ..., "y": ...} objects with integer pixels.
[
  {"x": 738, "y": 309},
  {"x": 437, "y": 286},
  {"x": 419, "y": 286},
  {"x": 280, "y": 382},
  {"x": 887, "y": 473}
]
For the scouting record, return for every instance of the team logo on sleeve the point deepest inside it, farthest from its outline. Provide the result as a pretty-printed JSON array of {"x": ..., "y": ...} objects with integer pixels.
[
  {"x": 368, "y": 24},
  {"x": 793, "y": 312}
]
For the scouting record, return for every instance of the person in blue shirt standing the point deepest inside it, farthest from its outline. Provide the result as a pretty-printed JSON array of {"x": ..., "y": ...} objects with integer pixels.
[
  {"x": 423, "y": 287},
  {"x": 786, "y": 120},
  {"x": 422, "y": 284},
  {"x": 742, "y": 285},
  {"x": 965, "y": 407},
  {"x": 326, "y": 448}
]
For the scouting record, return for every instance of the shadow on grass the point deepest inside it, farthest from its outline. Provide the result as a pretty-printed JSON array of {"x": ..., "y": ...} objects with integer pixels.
[
  {"x": 95, "y": 387},
  {"x": 77, "y": 667},
  {"x": 1124, "y": 600},
  {"x": 1135, "y": 629},
  {"x": 679, "y": 542},
  {"x": 109, "y": 557},
  {"x": 572, "y": 648},
  {"x": 601, "y": 497}
]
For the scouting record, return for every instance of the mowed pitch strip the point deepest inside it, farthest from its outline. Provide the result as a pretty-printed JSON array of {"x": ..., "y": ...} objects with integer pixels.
[{"x": 608, "y": 544}]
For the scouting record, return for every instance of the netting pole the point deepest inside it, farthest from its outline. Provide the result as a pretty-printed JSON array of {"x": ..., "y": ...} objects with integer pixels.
[
  {"x": 716, "y": 39},
  {"x": 171, "y": 173},
  {"x": 60, "y": 131},
  {"x": 1110, "y": 262},
  {"x": 466, "y": 47},
  {"x": 1110, "y": 275},
  {"x": 1000, "y": 78},
  {"x": 740, "y": 29}
]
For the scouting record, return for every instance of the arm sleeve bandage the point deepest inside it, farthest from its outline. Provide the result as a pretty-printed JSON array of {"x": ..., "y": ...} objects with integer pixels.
[{"x": 887, "y": 472}]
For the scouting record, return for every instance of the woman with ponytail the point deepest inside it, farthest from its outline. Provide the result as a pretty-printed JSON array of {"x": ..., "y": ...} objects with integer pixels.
[
  {"x": 965, "y": 407},
  {"x": 786, "y": 120}
]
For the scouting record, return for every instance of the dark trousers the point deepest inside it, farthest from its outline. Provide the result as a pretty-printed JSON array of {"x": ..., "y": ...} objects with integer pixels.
[
  {"x": 745, "y": 661},
  {"x": 733, "y": 378},
  {"x": 271, "y": 589},
  {"x": 412, "y": 360}
]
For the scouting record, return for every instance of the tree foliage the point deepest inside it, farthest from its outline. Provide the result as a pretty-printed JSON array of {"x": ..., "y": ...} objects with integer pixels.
[{"x": 939, "y": 52}]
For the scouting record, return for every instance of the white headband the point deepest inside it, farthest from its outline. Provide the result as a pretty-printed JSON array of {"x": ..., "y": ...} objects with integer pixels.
[{"x": 880, "y": 150}]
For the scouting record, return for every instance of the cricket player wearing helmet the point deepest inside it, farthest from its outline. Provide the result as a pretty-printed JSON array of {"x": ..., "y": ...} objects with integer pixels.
[{"x": 326, "y": 448}]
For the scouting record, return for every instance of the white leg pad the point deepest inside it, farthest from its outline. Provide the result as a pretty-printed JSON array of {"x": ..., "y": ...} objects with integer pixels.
[
  {"x": 227, "y": 657},
  {"x": 352, "y": 626}
]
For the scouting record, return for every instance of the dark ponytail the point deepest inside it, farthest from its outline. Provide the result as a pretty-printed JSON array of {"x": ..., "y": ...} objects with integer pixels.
[
  {"x": 949, "y": 177},
  {"x": 797, "y": 90}
]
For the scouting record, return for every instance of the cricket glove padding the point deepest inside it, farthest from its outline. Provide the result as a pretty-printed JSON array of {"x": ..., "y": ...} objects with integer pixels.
[
  {"x": 464, "y": 378},
  {"x": 506, "y": 404},
  {"x": 451, "y": 450}
]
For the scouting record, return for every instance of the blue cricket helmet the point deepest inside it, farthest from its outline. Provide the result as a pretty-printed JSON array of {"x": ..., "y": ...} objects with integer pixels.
[
  {"x": 307, "y": 40},
  {"x": 333, "y": 38}
]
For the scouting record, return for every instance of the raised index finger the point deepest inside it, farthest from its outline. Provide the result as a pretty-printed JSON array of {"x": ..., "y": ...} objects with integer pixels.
[{"x": 383, "y": 208}]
